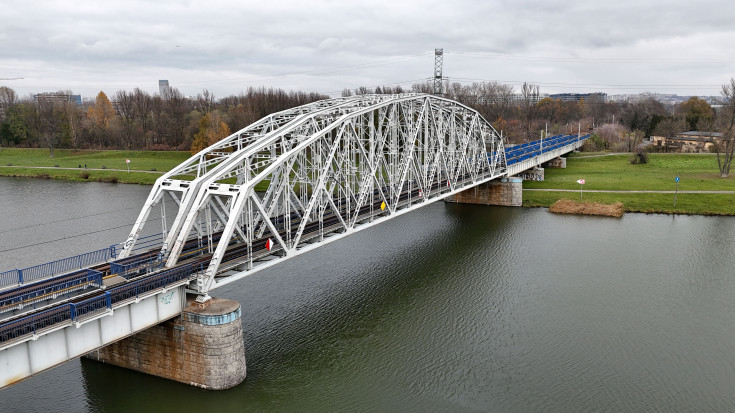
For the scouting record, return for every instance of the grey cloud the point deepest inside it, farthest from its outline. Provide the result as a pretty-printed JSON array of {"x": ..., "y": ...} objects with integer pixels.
[{"x": 119, "y": 44}]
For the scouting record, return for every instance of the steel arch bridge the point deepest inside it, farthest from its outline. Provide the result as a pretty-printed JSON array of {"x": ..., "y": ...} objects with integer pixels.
[{"x": 331, "y": 168}]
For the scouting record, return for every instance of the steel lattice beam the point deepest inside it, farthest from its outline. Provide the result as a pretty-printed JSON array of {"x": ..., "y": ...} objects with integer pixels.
[{"x": 331, "y": 168}]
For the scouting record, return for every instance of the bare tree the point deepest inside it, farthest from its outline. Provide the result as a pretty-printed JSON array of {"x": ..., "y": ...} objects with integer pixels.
[
  {"x": 125, "y": 105},
  {"x": 7, "y": 97},
  {"x": 529, "y": 97},
  {"x": 74, "y": 118},
  {"x": 726, "y": 119},
  {"x": 48, "y": 117},
  {"x": 205, "y": 101},
  {"x": 426, "y": 87}
]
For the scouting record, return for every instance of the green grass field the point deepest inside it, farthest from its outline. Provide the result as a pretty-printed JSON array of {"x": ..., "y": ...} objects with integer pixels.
[
  {"x": 66, "y": 158},
  {"x": 23, "y": 162},
  {"x": 697, "y": 173},
  {"x": 614, "y": 172}
]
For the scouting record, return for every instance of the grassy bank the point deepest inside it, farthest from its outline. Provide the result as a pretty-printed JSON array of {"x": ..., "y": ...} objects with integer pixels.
[
  {"x": 614, "y": 172},
  {"x": 106, "y": 166},
  {"x": 567, "y": 206},
  {"x": 697, "y": 173},
  {"x": 67, "y": 158}
]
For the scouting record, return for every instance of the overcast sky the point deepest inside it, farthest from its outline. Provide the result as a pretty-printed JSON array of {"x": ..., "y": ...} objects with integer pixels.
[{"x": 618, "y": 46}]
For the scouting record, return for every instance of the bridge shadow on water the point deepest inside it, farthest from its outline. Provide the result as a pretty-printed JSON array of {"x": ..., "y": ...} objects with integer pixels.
[{"x": 323, "y": 322}]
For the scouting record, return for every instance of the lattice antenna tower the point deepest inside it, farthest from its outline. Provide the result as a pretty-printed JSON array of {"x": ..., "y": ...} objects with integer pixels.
[{"x": 438, "y": 63}]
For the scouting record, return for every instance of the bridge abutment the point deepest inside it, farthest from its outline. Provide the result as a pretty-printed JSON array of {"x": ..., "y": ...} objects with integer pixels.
[
  {"x": 505, "y": 192},
  {"x": 533, "y": 174},
  {"x": 557, "y": 162},
  {"x": 203, "y": 347}
]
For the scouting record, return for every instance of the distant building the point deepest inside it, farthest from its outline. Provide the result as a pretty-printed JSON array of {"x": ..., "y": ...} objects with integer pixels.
[
  {"x": 58, "y": 97},
  {"x": 665, "y": 98},
  {"x": 514, "y": 98},
  {"x": 576, "y": 97},
  {"x": 688, "y": 142},
  {"x": 164, "y": 89}
]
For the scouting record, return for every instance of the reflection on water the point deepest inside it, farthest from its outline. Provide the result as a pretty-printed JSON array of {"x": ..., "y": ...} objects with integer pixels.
[{"x": 453, "y": 308}]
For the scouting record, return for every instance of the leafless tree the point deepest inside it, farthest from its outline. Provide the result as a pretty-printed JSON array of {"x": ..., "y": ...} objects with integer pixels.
[
  {"x": 205, "y": 101},
  {"x": 529, "y": 97},
  {"x": 125, "y": 110},
  {"x": 75, "y": 120},
  {"x": 726, "y": 120},
  {"x": 7, "y": 97},
  {"x": 47, "y": 119}
]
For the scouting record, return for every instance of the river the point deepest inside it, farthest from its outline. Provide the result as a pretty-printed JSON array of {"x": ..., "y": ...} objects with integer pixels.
[{"x": 449, "y": 308}]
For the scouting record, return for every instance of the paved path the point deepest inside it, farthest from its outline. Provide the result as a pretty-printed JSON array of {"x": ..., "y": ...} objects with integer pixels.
[
  {"x": 83, "y": 169},
  {"x": 632, "y": 192},
  {"x": 630, "y": 153}
]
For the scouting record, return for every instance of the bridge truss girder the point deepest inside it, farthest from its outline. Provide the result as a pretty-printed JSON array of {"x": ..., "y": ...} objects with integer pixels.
[{"x": 331, "y": 168}]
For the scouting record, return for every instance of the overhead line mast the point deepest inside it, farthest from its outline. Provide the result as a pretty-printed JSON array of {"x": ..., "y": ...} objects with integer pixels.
[{"x": 438, "y": 63}]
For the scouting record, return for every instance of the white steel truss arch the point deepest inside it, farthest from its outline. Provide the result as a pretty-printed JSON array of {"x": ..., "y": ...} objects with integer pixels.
[{"x": 303, "y": 177}]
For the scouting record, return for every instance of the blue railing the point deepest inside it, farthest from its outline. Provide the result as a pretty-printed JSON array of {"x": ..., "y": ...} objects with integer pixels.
[
  {"x": 148, "y": 241},
  {"x": 48, "y": 289},
  {"x": 133, "y": 267},
  {"x": 11, "y": 277},
  {"x": 38, "y": 272},
  {"x": 65, "y": 265},
  {"x": 39, "y": 321},
  {"x": 76, "y": 311},
  {"x": 520, "y": 153}
]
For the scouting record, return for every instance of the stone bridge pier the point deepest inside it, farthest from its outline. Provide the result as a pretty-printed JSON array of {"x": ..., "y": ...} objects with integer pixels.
[
  {"x": 503, "y": 192},
  {"x": 202, "y": 347}
]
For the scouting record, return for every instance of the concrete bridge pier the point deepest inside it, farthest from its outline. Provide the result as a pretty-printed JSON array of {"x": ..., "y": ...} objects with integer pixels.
[
  {"x": 557, "y": 162},
  {"x": 202, "y": 347},
  {"x": 503, "y": 192}
]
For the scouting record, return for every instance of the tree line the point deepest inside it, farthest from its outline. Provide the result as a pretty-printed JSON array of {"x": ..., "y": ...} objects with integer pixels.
[
  {"x": 138, "y": 120},
  {"x": 134, "y": 119}
]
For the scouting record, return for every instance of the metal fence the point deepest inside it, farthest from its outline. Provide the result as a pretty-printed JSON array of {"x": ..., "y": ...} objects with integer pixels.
[
  {"x": 133, "y": 267},
  {"x": 26, "y": 295},
  {"x": 38, "y": 272},
  {"x": 35, "y": 323},
  {"x": 64, "y": 265}
]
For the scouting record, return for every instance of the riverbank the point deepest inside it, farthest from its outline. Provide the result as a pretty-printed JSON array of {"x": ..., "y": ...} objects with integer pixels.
[
  {"x": 640, "y": 188},
  {"x": 89, "y": 165},
  {"x": 647, "y": 188},
  {"x": 566, "y": 206}
]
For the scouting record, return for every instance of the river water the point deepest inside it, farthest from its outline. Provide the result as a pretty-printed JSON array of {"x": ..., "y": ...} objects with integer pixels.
[{"x": 449, "y": 308}]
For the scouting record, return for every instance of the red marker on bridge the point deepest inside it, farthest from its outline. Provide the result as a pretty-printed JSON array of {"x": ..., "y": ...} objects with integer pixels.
[{"x": 269, "y": 244}]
